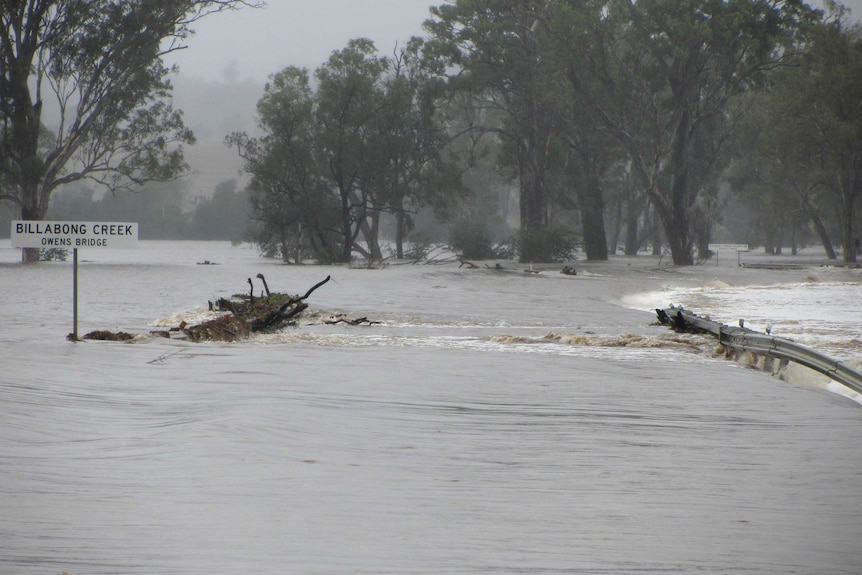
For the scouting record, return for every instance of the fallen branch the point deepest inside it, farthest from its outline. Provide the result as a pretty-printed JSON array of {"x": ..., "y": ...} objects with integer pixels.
[
  {"x": 254, "y": 315},
  {"x": 357, "y": 321}
]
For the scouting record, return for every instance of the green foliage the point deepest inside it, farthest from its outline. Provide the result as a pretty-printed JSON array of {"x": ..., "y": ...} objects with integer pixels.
[
  {"x": 161, "y": 210},
  {"x": 53, "y": 254},
  {"x": 334, "y": 158},
  {"x": 662, "y": 76},
  {"x": 285, "y": 165},
  {"x": 497, "y": 51},
  {"x": 157, "y": 207},
  {"x": 471, "y": 241},
  {"x": 225, "y": 215},
  {"x": 98, "y": 64},
  {"x": 545, "y": 245},
  {"x": 806, "y": 144}
]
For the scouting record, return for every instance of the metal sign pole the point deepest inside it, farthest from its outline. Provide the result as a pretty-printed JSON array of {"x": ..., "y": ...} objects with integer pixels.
[
  {"x": 75, "y": 294},
  {"x": 737, "y": 247},
  {"x": 67, "y": 234}
]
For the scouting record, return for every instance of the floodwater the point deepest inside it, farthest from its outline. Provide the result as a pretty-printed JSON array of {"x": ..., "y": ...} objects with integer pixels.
[{"x": 451, "y": 437}]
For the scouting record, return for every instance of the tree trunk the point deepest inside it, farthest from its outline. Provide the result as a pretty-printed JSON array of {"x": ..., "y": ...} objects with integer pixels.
[
  {"x": 821, "y": 230},
  {"x": 347, "y": 235},
  {"x": 370, "y": 232},
  {"x": 297, "y": 256},
  {"x": 592, "y": 210},
  {"x": 285, "y": 243},
  {"x": 677, "y": 235},
  {"x": 616, "y": 225},
  {"x": 400, "y": 226},
  {"x": 31, "y": 255},
  {"x": 532, "y": 188},
  {"x": 848, "y": 239},
  {"x": 677, "y": 226},
  {"x": 632, "y": 237},
  {"x": 680, "y": 243},
  {"x": 655, "y": 230},
  {"x": 25, "y": 125}
]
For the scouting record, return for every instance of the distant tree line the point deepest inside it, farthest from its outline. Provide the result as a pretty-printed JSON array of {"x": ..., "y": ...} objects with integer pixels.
[
  {"x": 650, "y": 123},
  {"x": 519, "y": 128},
  {"x": 162, "y": 210}
]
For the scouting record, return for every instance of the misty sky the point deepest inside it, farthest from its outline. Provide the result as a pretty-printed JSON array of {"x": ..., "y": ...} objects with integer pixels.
[
  {"x": 256, "y": 43},
  {"x": 252, "y": 44}
]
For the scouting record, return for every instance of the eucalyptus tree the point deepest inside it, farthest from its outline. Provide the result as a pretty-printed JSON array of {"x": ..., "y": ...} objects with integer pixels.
[
  {"x": 334, "y": 157},
  {"x": 814, "y": 125},
  {"x": 96, "y": 65},
  {"x": 497, "y": 51},
  {"x": 289, "y": 190},
  {"x": 408, "y": 166},
  {"x": 348, "y": 100},
  {"x": 656, "y": 72},
  {"x": 589, "y": 157},
  {"x": 772, "y": 175}
]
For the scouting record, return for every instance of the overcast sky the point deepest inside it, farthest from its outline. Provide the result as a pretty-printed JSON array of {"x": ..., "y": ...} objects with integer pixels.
[
  {"x": 254, "y": 43},
  {"x": 258, "y": 42}
]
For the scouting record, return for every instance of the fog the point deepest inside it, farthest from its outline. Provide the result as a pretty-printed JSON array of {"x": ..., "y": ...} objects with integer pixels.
[{"x": 254, "y": 43}]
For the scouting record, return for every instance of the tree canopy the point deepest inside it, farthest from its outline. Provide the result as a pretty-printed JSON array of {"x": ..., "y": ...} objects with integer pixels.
[
  {"x": 662, "y": 74},
  {"x": 498, "y": 51},
  {"x": 607, "y": 118},
  {"x": 94, "y": 70},
  {"x": 333, "y": 158},
  {"x": 808, "y": 128}
]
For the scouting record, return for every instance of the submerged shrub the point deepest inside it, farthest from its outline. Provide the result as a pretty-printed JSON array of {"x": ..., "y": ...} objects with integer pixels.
[
  {"x": 546, "y": 245},
  {"x": 472, "y": 242},
  {"x": 53, "y": 254}
]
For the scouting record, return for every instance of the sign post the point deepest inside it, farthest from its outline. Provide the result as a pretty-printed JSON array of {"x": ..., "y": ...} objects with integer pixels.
[
  {"x": 39, "y": 234},
  {"x": 738, "y": 248}
]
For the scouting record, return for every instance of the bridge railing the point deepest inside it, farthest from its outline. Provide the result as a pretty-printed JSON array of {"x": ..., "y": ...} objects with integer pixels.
[{"x": 744, "y": 339}]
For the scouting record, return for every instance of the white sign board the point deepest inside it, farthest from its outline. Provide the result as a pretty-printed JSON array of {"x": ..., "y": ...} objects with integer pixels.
[
  {"x": 38, "y": 234},
  {"x": 728, "y": 247}
]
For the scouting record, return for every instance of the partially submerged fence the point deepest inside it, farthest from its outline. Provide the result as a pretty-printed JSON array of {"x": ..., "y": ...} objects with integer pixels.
[{"x": 744, "y": 339}]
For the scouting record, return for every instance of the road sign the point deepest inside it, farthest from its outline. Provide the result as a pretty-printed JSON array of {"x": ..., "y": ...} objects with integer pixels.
[
  {"x": 728, "y": 247},
  {"x": 74, "y": 235},
  {"x": 738, "y": 248}
]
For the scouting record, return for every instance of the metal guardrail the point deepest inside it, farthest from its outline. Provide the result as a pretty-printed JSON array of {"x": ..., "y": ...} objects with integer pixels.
[{"x": 743, "y": 339}]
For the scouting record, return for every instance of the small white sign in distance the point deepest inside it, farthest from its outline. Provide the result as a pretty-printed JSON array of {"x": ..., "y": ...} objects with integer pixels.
[{"x": 728, "y": 247}]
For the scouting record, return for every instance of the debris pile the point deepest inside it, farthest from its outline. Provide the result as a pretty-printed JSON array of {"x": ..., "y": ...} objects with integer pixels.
[{"x": 247, "y": 314}]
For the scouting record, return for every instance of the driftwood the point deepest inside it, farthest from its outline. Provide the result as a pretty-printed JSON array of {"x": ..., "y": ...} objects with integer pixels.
[
  {"x": 357, "y": 321},
  {"x": 287, "y": 310},
  {"x": 244, "y": 314},
  {"x": 248, "y": 314}
]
